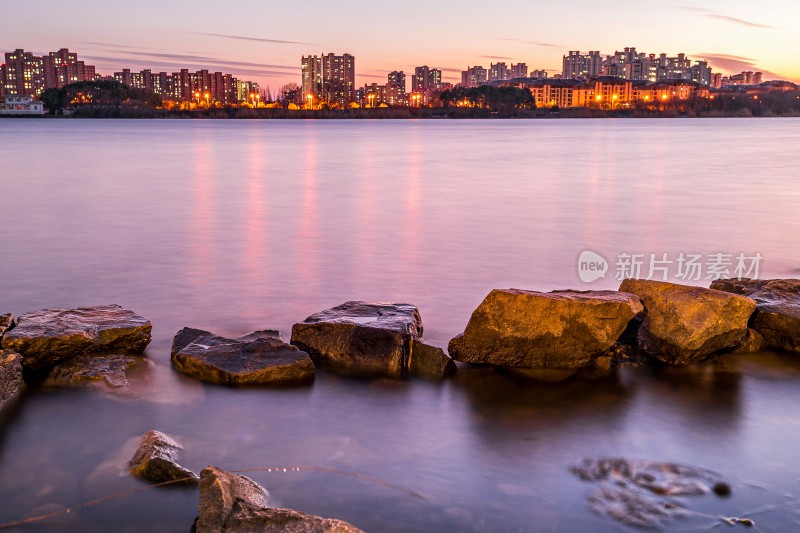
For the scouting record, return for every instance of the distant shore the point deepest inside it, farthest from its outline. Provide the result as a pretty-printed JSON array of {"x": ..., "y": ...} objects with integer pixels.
[{"x": 121, "y": 111}]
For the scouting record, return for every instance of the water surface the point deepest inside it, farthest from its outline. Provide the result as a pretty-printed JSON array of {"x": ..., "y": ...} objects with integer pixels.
[{"x": 234, "y": 226}]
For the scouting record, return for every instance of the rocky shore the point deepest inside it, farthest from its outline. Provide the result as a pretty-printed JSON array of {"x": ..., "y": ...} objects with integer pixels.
[{"x": 642, "y": 323}]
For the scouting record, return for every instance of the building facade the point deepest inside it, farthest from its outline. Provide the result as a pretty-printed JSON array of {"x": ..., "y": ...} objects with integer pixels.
[{"x": 21, "y": 105}]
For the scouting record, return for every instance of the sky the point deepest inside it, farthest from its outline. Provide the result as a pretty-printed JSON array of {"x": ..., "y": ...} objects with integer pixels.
[{"x": 263, "y": 41}]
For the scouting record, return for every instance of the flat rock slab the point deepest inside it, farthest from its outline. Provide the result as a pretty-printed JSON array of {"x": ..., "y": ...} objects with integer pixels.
[
  {"x": 560, "y": 329},
  {"x": 234, "y": 503},
  {"x": 361, "y": 338},
  {"x": 6, "y": 322},
  {"x": 52, "y": 336},
  {"x": 777, "y": 316},
  {"x": 684, "y": 324},
  {"x": 255, "y": 359},
  {"x": 644, "y": 494},
  {"x": 10, "y": 376},
  {"x": 108, "y": 370},
  {"x": 156, "y": 460}
]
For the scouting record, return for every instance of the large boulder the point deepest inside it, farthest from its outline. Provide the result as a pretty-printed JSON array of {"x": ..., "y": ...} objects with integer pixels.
[
  {"x": 10, "y": 376},
  {"x": 361, "y": 338},
  {"x": 259, "y": 358},
  {"x": 51, "y": 336},
  {"x": 777, "y": 316},
  {"x": 6, "y": 322},
  {"x": 156, "y": 460},
  {"x": 560, "y": 329},
  {"x": 234, "y": 503},
  {"x": 684, "y": 324}
]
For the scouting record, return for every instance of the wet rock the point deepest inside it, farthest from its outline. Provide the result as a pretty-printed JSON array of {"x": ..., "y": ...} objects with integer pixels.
[
  {"x": 10, "y": 376},
  {"x": 684, "y": 324},
  {"x": 259, "y": 358},
  {"x": 232, "y": 502},
  {"x": 560, "y": 329},
  {"x": 642, "y": 493},
  {"x": 753, "y": 342},
  {"x": 777, "y": 316},
  {"x": 52, "y": 336},
  {"x": 6, "y": 323},
  {"x": 361, "y": 338},
  {"x": 156, "y": 460},
  {"x": 429, "y": 361},
  {"x": 110, "y": 371}
]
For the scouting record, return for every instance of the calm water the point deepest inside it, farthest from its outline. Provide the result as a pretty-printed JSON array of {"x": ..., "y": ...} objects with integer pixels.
[{"x": 233, "y": 226}]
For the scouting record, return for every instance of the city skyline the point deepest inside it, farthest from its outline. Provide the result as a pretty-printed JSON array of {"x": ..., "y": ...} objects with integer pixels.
[{"x": 264, "y": 43}]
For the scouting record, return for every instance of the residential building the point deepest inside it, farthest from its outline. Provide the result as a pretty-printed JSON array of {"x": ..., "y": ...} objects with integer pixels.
[
  {"x": 21, "y": 105},
  {"x": 577, "y": 66},
  {"x": 474, "y": 77}
]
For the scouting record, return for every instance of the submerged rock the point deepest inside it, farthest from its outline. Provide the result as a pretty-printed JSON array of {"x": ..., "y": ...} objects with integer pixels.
[
  {"x": 259, "y": 358},
  {"x": 6, "y": 323},
  {"x": 51, "y": 336},
  {"x": 429, "y": 361},
  {"x": 643, "y": 493},
  {"x": 10, "y": 376},
  {"x": 156, "y": 460},
  {"x": 684, "y": 324},
  {"x": 777, "y": 316},
  {"x": 361, "y": 338},
  {"x": 107, "y": 370},
  {"x": 234, "y": 503},
  {"x": 560, "y": 329}
]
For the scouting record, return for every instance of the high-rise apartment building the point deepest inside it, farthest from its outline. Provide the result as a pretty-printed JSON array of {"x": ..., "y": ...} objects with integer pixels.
[
  {"x": 520, "y": 70},
  {"x": 577, "y": 66},
  {"x": 329, "y": 77},
  {"x": 23, "y": 74},
  {"x": 474, "y": 77},
  {"x": 397, "y": 79},
  {"x": 498, "y": 71}
]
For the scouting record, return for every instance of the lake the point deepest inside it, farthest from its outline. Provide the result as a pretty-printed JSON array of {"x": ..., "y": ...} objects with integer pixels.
[{"x": 233, "y": 226}]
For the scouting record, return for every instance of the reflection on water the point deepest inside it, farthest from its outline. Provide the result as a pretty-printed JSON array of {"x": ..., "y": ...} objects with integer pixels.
[{"x": 237, "y": 226}]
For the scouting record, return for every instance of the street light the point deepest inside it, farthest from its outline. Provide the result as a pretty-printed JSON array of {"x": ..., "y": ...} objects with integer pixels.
[
  {"x": 197, "y": 95},
  {"x": 371, "y": 99},
  {"x": 310, "y": 98},
  {"x": 208, "y": 101}
]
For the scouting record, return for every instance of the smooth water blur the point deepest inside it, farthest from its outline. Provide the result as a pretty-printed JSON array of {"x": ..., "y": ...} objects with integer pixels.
[{"x": 234, "y": 226}]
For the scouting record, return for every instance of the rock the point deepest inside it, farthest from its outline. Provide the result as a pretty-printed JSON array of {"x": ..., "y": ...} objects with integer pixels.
[
  {"x": 361, "y": 338},
  {"x": 429, "y": 361},
  {"x": 753, "y": 342},
  {"x": 108, "y": 370},
  {"x": 52, "y": 336},
  {"x": 777, "y": 316},
  {"x": 560, "y": 329},
  {"x": 10, "y": 376},
  {"x": 6, "y": 323},
  {"x": 684, "y": 324},
  {"x": 235, "y": 503},
  {"x": 255, "y": 359},
  {"x": 156, "y": 460},
  {"x": 642, "y": 493}
]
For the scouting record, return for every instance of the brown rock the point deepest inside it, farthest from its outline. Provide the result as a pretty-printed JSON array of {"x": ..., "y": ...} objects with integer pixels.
[
  {"x": 561, "y": 329},
  {"x": 777, "y": 316},
  {"x": 256, "y": 359},
  {"x": 753, "y": 342},
  {"x": 684, "y": 324},
  {"x": 10, "y": 376},
  {"x": 52, "y": 336},
  {"x": 429, "y": 361},
  {"x": 156, "y": 460},
  {"x": 361, "y": 338},
  {"x": 110, "y": 370},
  {"x": 234, "y": 503},
  {"x": 6, "y": 323}
]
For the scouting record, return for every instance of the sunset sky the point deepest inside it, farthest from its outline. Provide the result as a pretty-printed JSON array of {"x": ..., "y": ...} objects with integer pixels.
[{"x": 263, "y": 41}]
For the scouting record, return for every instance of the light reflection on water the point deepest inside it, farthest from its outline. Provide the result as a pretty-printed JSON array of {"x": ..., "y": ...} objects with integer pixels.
[{"x": 236, "y": 226}]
